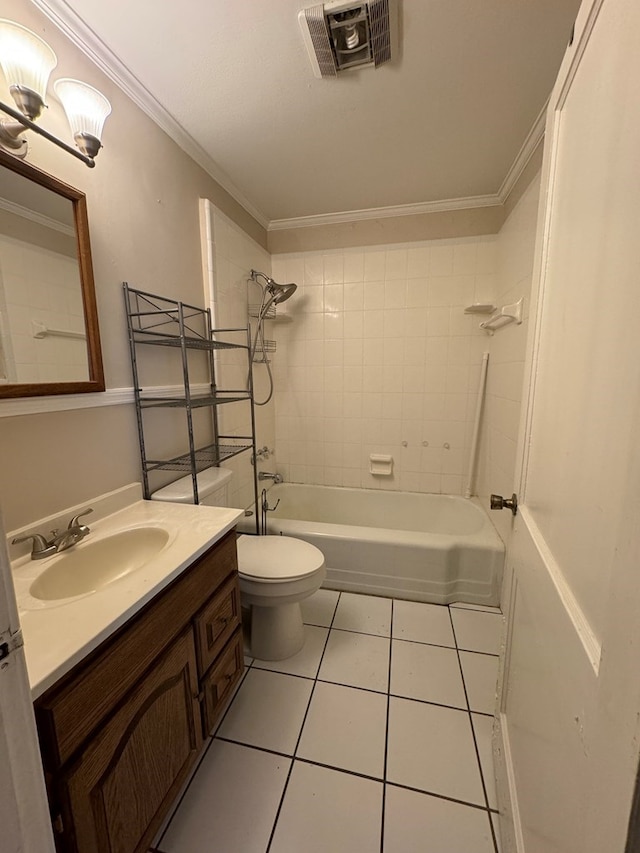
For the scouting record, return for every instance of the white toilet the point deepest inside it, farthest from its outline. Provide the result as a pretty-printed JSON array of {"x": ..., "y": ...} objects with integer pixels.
[{"x": 275, "y": 572}]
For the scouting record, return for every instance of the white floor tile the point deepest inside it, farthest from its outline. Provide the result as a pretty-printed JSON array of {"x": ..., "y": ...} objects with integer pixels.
[
  {"x": 431, "y": 748},
  {"x": 307, "y": 661},
  {"x": 426, "y": 672},
  {"x": 365, "y": 613},
  {"x": 319, "y": 608},
  {"x": 477, "y": 631},
  {"x": 268, "y": 711},
  {"x": 424, "y": 623},
  {"x": 483, "y": 728},
  {"x": 418, "y": 823},
  {"x": 357, "y": 660},
  {"x": 326, "y": 810},
  {"x": 346, "y": 728},
  {"x": 480, "y": 676},
  {"x": 209, "y": 818}
]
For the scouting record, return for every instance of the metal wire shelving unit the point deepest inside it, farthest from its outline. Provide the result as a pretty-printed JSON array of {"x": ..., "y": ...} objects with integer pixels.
[{"x": 157, "y": 321}]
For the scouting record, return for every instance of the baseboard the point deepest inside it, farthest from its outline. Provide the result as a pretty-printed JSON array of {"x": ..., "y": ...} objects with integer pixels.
[{"x": 511, "y": 837}]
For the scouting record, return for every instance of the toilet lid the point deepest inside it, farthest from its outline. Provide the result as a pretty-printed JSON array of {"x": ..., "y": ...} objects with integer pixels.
[{"x": 277, "y": 557}]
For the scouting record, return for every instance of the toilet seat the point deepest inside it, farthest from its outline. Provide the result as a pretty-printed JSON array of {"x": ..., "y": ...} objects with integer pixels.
[{"x": 277, "y": 558}]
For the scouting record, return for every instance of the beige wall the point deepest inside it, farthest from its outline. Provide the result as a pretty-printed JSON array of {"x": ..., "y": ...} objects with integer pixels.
[
  {"x": 142, "y": 200},
  {"x": 501, "y": 416}
]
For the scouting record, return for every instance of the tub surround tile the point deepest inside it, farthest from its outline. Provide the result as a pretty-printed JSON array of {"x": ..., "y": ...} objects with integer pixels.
[
  {"x": 480, "y": 678},
  {"x": 422, "y": 623},
  {"x": 356, "y": 660},
  {"x": 419, "y": 823},
  {"x": 429, "y": 673},
  {"x": 327, "y": 810},
  {"x": 307, "y": 661},
  {"x": 346, "y": 728},
  {"x": 366, "y": 614},
  {"x": 483, "y": 730},
  {"x": 431, "y": 748},
  {"x": 320, "y": 607},
  {"x": 476, "y": 631},
  {"x": 282, "y": 700},
  {"x": 209, "y": 818}
]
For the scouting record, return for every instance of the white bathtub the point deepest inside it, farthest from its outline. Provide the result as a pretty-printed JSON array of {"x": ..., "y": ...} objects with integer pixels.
[{"x": 436, "y": 548}]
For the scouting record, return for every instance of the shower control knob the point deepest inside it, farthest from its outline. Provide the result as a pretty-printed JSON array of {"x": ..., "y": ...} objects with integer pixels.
[{"x": 498, "y": 502}]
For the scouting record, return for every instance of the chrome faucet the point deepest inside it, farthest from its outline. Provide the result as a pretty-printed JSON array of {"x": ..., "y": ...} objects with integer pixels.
[
  {"x": 267, "y": 475},
  {"x": 60, "y": 539}
]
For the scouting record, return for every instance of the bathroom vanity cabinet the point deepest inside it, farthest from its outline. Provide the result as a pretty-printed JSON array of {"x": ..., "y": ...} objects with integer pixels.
[{"x": 121, "y": 732}]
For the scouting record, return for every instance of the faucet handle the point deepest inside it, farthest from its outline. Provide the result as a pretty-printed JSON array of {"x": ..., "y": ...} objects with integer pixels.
[
  {"x": 74, "y": 520},
  {"x": 41, "y": 548}
]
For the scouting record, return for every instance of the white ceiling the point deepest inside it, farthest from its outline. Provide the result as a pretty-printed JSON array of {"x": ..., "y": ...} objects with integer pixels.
[{"x": 444, "y": 120}]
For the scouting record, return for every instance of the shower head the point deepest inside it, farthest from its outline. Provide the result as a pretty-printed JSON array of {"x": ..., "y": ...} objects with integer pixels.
[{"x": 279, "y": 292}]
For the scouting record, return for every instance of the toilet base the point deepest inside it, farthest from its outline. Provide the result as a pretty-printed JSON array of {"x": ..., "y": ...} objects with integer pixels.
[{"x": 276, "y": 632}]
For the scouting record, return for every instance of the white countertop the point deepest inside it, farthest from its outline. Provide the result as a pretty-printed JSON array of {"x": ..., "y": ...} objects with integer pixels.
[{"x": 59, "y": 634}]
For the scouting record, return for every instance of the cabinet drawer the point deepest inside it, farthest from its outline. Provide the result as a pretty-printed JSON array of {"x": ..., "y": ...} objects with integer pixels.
[
  {"x": 218, "y": 683},
  {"x": 69, "y": 712},
  {"x": 216, "y": 622}
]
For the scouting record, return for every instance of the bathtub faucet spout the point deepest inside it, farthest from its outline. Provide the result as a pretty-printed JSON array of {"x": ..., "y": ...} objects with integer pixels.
[{"x": 267, "y": 475}]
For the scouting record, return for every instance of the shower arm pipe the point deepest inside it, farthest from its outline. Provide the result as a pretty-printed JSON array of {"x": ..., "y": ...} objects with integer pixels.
[{"x": 476, "y": 425}]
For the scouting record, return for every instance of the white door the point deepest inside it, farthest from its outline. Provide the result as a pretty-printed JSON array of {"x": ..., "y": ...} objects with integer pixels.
[
  {"x": 24, "y": 815},
  {"x": 569, "y": 734}
]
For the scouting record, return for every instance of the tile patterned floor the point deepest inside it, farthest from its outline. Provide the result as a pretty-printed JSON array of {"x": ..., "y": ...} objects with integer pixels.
[{"x": 375, "y": 738}]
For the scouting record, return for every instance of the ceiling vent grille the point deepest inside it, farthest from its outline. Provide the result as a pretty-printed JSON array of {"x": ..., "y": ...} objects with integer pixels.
[{"x": 343, "y": 35}]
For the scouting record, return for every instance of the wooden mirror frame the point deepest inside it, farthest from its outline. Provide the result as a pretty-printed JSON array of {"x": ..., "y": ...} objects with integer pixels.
[{"x": 94, "y": 352}]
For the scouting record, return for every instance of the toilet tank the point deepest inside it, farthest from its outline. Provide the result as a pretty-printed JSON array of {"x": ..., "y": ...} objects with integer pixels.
[{"x": 213, "y": 488}]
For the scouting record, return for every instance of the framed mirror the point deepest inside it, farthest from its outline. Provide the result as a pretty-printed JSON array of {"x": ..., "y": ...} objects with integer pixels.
[{"x": 49, "y": 336}]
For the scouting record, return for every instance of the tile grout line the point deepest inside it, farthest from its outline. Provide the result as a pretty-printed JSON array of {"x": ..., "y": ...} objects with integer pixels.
[
  {"x": 366, "y": 776},
  {"x": 304, "y": 719},
  {"x": 386, "y": 735},
  {"x": 473, "y": 735}
]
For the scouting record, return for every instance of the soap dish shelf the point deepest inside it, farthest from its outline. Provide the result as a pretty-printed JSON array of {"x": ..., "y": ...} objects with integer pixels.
[{"x": 504, "y": 317}]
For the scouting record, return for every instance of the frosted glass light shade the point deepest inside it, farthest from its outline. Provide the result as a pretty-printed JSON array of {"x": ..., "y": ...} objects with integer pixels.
[
  {"x": 86, "y": 108},
  {"x": 26, "y": 60}
]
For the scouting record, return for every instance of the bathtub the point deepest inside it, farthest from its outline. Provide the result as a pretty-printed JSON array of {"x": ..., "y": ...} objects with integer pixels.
[{"x": 435, "y": 548}]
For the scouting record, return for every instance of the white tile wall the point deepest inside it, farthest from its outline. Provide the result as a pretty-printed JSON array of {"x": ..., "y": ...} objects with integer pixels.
[
  {"x": 379, "y": 357},
  {"x": 39, "y": 285}
]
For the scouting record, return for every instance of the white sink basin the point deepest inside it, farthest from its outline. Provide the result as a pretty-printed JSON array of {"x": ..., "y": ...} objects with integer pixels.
[{"x": 88, "y": 567}]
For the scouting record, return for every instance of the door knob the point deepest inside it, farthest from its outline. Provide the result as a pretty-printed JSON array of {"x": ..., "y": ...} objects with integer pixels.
[{"x": 498, "y": 502}]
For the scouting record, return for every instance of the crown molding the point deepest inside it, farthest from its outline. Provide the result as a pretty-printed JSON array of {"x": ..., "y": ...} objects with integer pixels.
[
  {"x": 34, "y": 216},
  {"x": 84, "y": 38},
  {"x": 526, "y": 152},
  {"x": 385, "y": 212},
  {"x": 77, "y": 31}
]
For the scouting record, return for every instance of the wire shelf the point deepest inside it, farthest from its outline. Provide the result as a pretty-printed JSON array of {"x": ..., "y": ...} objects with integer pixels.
[
  {"x": 269, "y": 314},
  {"x": 194, "y": 402},
  {"x": 205, "y": 457}
]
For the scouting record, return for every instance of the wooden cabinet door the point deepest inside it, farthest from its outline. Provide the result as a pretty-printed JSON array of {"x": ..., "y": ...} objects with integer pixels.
[{"x": 125, "y": 778}]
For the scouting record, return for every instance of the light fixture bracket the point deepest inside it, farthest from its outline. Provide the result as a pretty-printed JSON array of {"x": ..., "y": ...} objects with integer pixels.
[{"x": 9, "y": 131}]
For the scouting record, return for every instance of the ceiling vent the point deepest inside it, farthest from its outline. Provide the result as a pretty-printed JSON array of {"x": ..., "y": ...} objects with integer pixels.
[{"x": 341, "y": 35}]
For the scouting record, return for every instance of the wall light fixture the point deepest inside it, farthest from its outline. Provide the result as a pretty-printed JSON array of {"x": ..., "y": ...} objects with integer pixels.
[{"x": 27, "y": 62}]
